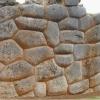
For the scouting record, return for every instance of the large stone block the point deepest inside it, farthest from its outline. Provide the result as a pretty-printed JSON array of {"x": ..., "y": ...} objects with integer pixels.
[
  {"x": 93, "y": 34},
  {"x": 16, "y": 70},
  {"x": 32, "y": 10},
  {"x": 38, "y": 54},
  {"x": 52, "y": 33},
  {"x": 29, "y": 39},
  {"x": 48, "y": 70},
  {"x": 77, "y": 11},
  {"x": 8, "y": 12},
  {"x": 86, "y": 22},
  {"x": 64, "y": 48},
  {"x": 56, "y": 12},
  {"x": 7, "y": 29},
  {"x": 57, "y": 86},
  {"x": 79, "y": 87},
  {"x": 69, "y": 36},
  {"x": 10, "y": 51},
  {"x": 69, "y": 24},
  {"x": 25, "y": 85},
  {"x": 31, "y": 23},
  {"x": 74, "y": 72}
]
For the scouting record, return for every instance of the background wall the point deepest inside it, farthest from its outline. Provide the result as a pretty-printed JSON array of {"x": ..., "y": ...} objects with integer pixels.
[{"x": 48, "y": 50}]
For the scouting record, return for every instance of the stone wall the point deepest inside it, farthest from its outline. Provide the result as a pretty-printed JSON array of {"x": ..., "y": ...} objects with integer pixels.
[{"x": 47, "y": 50}]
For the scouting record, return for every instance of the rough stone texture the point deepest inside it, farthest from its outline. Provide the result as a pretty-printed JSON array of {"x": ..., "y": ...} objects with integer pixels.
[
  {"x": 74, "y": 72},
  {"x": 52, "y": 34},
  {"x": 47, "y": 70},
  {"x": 38, "y": 55},
  {"x": 57, "y": 86},
  {"x": 64, "y": 60},
  {"x": 79, "y": 87},
  {"x": 68, "y": 36},
  {"x": 47, "y": 48},
  {"x": 40, "y": 89},
  {"x": 31, "y": 23},
  {"x": 77, "y": 11},
  {"x": 68, "y": 24},
  {"x": 29, "y": 39}
]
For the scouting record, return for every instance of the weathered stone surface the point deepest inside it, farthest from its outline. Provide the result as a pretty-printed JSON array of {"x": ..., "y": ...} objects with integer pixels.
[
  {"x": 25, "y": 85},
  {"x": 71, "y": 2},
  {"x": 47, "y": 70},
  {"x": 97, "y": 88},
  {"x": 38, "y": 55},
  {"x": 56, "y": 12},
  {"x": 31, "y": 23},
  {"x": 86, "y": 22},
  {"x": 95, "y": 80},
  {"x": 29, "y": 39},
  {"x": 28, "y": 95},
  {"x": 9, "y": 51},
  {"x": 63, "y": 48},
  {"x": 74, "y": 72},
  {"x": 97, "y": 18},
  {"x": 57, "y": 86},
  {"x": 7, "y": 29},
  {"x": 17, "y": 70},
  {"x": 79, "y": 87},
  {"x": 69, "y": 36},
  {"x": 77, "y": 11},
  {"x": 64, "y": 60},
  {"x": 2, "y": 66},
  {"x": 8, "y": 12},
  {"x": 52, "y": 33},
  {"x": 32, "y": 10},
  {"x": 68, "y": 24},
  {"x": 40, "y": 89},
  {"x": 93, "y": 34},
  {"x": 7, "y": 90},
  {"x": 83, "y": 51}
]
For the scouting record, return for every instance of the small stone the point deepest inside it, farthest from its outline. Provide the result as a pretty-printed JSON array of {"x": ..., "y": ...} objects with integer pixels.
[
  {"x": 71, "y": 2},
  {"x": 32, "y": 10},
  {"x": 29, "y": 39},
  {"x": 40, "y": 89},
  {"x": 95, "y": 80},
  {"x": 90, "y": 90},
  {"x": 86, "y": 22},
  {"x": 10, "y": 51},
  {"x": 8, "y": 12},
  {"x": 25, "y": 85},
  {"x": 57, "y": 86},
  {"x": 56, "y": 12},
  {"x": 47, "y": 70},
  {"x": 7, "y": 29},
  {"x": 74, "y": 72},
  {"x": 38, "y": 54},
  {"x": 64, "y": 48},
  {"x": 17, "y": 70},
  {"x": 52, "y": 34},
  {"x": 69, "y": 24},
  {"x": 2, "y": 66},
  {"x": 97, "y": 18},
  {"x": 68, "y": 36},
  {"x": 93, "y": 34},
  {"x": 31, "y": 23},
  {"x": 79, "y": 87},
  {"x": 30, "y": 94},
  {"x": 7, "y": 90},
  {"x": 77, "y": 11},
  {"x": 64, "y": 60}
]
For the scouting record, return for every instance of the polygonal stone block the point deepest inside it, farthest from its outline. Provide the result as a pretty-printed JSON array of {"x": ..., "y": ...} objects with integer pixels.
[{"x": 96, "y": 18}]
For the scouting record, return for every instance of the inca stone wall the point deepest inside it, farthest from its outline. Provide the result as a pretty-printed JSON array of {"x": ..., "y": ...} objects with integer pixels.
[{"x": 48, "y": 49}]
